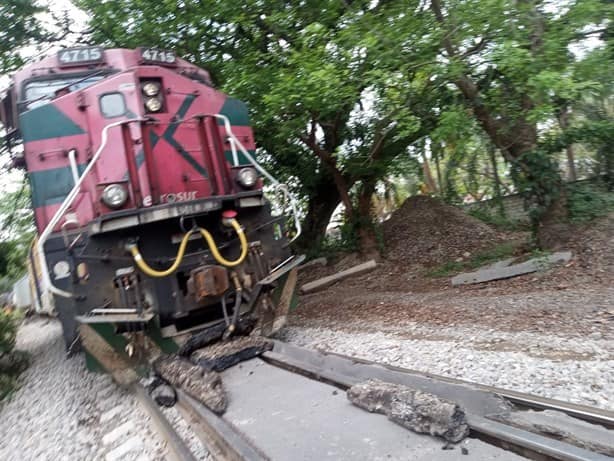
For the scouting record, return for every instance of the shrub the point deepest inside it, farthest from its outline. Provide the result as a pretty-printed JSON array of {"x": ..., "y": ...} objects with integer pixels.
[
  {"x": 589, "y": 201},
  {"x": 8, "y": 332},
  {"x": 11, "y": 362}
]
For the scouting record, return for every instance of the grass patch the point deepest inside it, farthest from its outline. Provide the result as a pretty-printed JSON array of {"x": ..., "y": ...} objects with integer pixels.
[{"x": 496, "y": 253}]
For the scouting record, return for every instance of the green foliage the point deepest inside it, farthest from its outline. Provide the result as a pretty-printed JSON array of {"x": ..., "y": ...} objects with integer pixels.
[
  {"x": 18, "y": 27},
  {"x": 17, "y": 221},
  {"x": 496, "y": 253},
  {"x": 7, "y": 384},
  {"x": 537, "y": 177},
  {"x": 12, "y": 362},
  {"x": 589, "y": 201},
  {"x": 344, "y": 239},
  {"x": 8, "y": 332},
  {"x": 494, "y": 218}
]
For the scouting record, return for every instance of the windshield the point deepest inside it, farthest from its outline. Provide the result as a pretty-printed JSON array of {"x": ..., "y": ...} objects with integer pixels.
[{"x": 39, "y": 92}]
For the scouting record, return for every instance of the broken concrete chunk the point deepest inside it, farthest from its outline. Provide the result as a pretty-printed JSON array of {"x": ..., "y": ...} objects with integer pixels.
[
  {"x": 204, "y": 386},
  {"x": 428, "y": 414},
  {"x": 220, "y": 356},
  {"x": 415, "y": 410}
]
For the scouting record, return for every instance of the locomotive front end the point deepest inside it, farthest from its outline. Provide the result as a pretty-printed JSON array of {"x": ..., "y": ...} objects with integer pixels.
[{"x": 148, "y": 201}]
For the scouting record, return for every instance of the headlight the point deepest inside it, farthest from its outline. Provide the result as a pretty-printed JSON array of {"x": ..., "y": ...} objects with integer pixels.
[
  {"x": 151, "y": 89},
  {"x": 247, "y": 177},
  {"x": 153, "y": 104},
  {"x": 114, "y": 196}
]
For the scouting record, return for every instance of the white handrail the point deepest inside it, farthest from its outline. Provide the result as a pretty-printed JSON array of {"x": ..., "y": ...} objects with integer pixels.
[
  {"x": 74, "y": 168},
  {"x": 66, "y": 204},
  {"x": 234, "y": 142}
]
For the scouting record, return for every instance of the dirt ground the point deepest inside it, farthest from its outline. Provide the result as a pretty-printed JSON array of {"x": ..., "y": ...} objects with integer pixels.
[{"x": 574, "y": 300}]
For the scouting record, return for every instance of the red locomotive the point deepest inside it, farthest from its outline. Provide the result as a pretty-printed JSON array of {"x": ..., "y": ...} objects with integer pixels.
[{"x": 148, "y": 202}]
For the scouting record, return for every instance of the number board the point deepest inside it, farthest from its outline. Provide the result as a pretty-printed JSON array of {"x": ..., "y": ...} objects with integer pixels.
[
  {"x": 80, "y": 56},
  {"x": 156, "y": 56}
]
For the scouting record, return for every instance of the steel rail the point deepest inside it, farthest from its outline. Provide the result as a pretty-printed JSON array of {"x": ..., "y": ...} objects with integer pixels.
[
  {"x": 178, "y": 449},
  {"x": 222, "y": 440},
  {"x": 586, "y": 413}
]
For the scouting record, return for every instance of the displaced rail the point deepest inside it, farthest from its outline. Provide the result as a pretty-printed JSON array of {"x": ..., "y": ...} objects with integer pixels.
[
  {"x": 520, "y": 399},
  {"x": 286, "y": 404}
]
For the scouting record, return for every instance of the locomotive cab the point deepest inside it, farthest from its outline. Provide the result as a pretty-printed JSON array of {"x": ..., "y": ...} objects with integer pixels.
[{"x": 148, "y": 201}]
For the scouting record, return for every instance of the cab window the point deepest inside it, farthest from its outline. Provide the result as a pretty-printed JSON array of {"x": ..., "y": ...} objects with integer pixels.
[
  {"x": 112, "y": 105},
  {"x": 39, "y": 92}
]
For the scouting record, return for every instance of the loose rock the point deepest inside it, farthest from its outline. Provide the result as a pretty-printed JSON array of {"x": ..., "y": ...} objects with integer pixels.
[
  {"x": 164, "y": 395},
  {"x": 416, "y": 410}
]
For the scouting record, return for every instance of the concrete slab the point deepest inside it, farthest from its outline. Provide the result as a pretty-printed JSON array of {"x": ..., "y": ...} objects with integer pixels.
[
  {"x": 289, "y": 416},
  {"x": 499, "y": 264},
  {"x": 504, "y": 271}
]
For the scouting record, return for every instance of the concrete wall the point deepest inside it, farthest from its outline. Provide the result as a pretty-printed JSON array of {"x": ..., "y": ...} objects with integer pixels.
[{"x": 514, "y": 204}]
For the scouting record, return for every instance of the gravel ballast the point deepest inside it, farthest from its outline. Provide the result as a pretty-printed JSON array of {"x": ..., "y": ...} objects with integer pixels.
[{"x": 62, "y": 411}]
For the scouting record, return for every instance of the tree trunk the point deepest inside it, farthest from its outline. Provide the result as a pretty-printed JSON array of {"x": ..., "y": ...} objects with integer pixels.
[
  {"x": 571, "y": 162},
  {"x": 429, "y": 181},
  {"x": 553, "y": 230},
  {"x": 320, "y": 208},
  {"x": 436, "y": 149},
  {"x": 514, "y": 136},
  {"x": 367, "y": 239},
  {"x": 496, "y": 180}
]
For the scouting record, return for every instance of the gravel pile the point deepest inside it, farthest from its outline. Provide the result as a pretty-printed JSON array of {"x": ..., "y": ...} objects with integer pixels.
[
  {"x": 425, "y": 230},
  {"x": 62, "y": 411},
  {"x": 579, "y": 370}
]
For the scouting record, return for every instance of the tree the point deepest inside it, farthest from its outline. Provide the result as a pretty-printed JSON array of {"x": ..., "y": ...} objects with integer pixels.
[
  {"x": 18, "y": 28},
  {"x": 510, "y": 63},
  {"x": 593, "y": 114}
]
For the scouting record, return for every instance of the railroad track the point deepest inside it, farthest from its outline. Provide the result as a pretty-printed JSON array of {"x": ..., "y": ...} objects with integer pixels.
[{"x": 290, "y": 404}]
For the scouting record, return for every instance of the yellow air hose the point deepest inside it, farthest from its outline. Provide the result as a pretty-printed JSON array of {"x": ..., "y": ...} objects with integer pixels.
[
  {"x": 140, "y": 262},
  {"x": 215, "y": 252}
]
